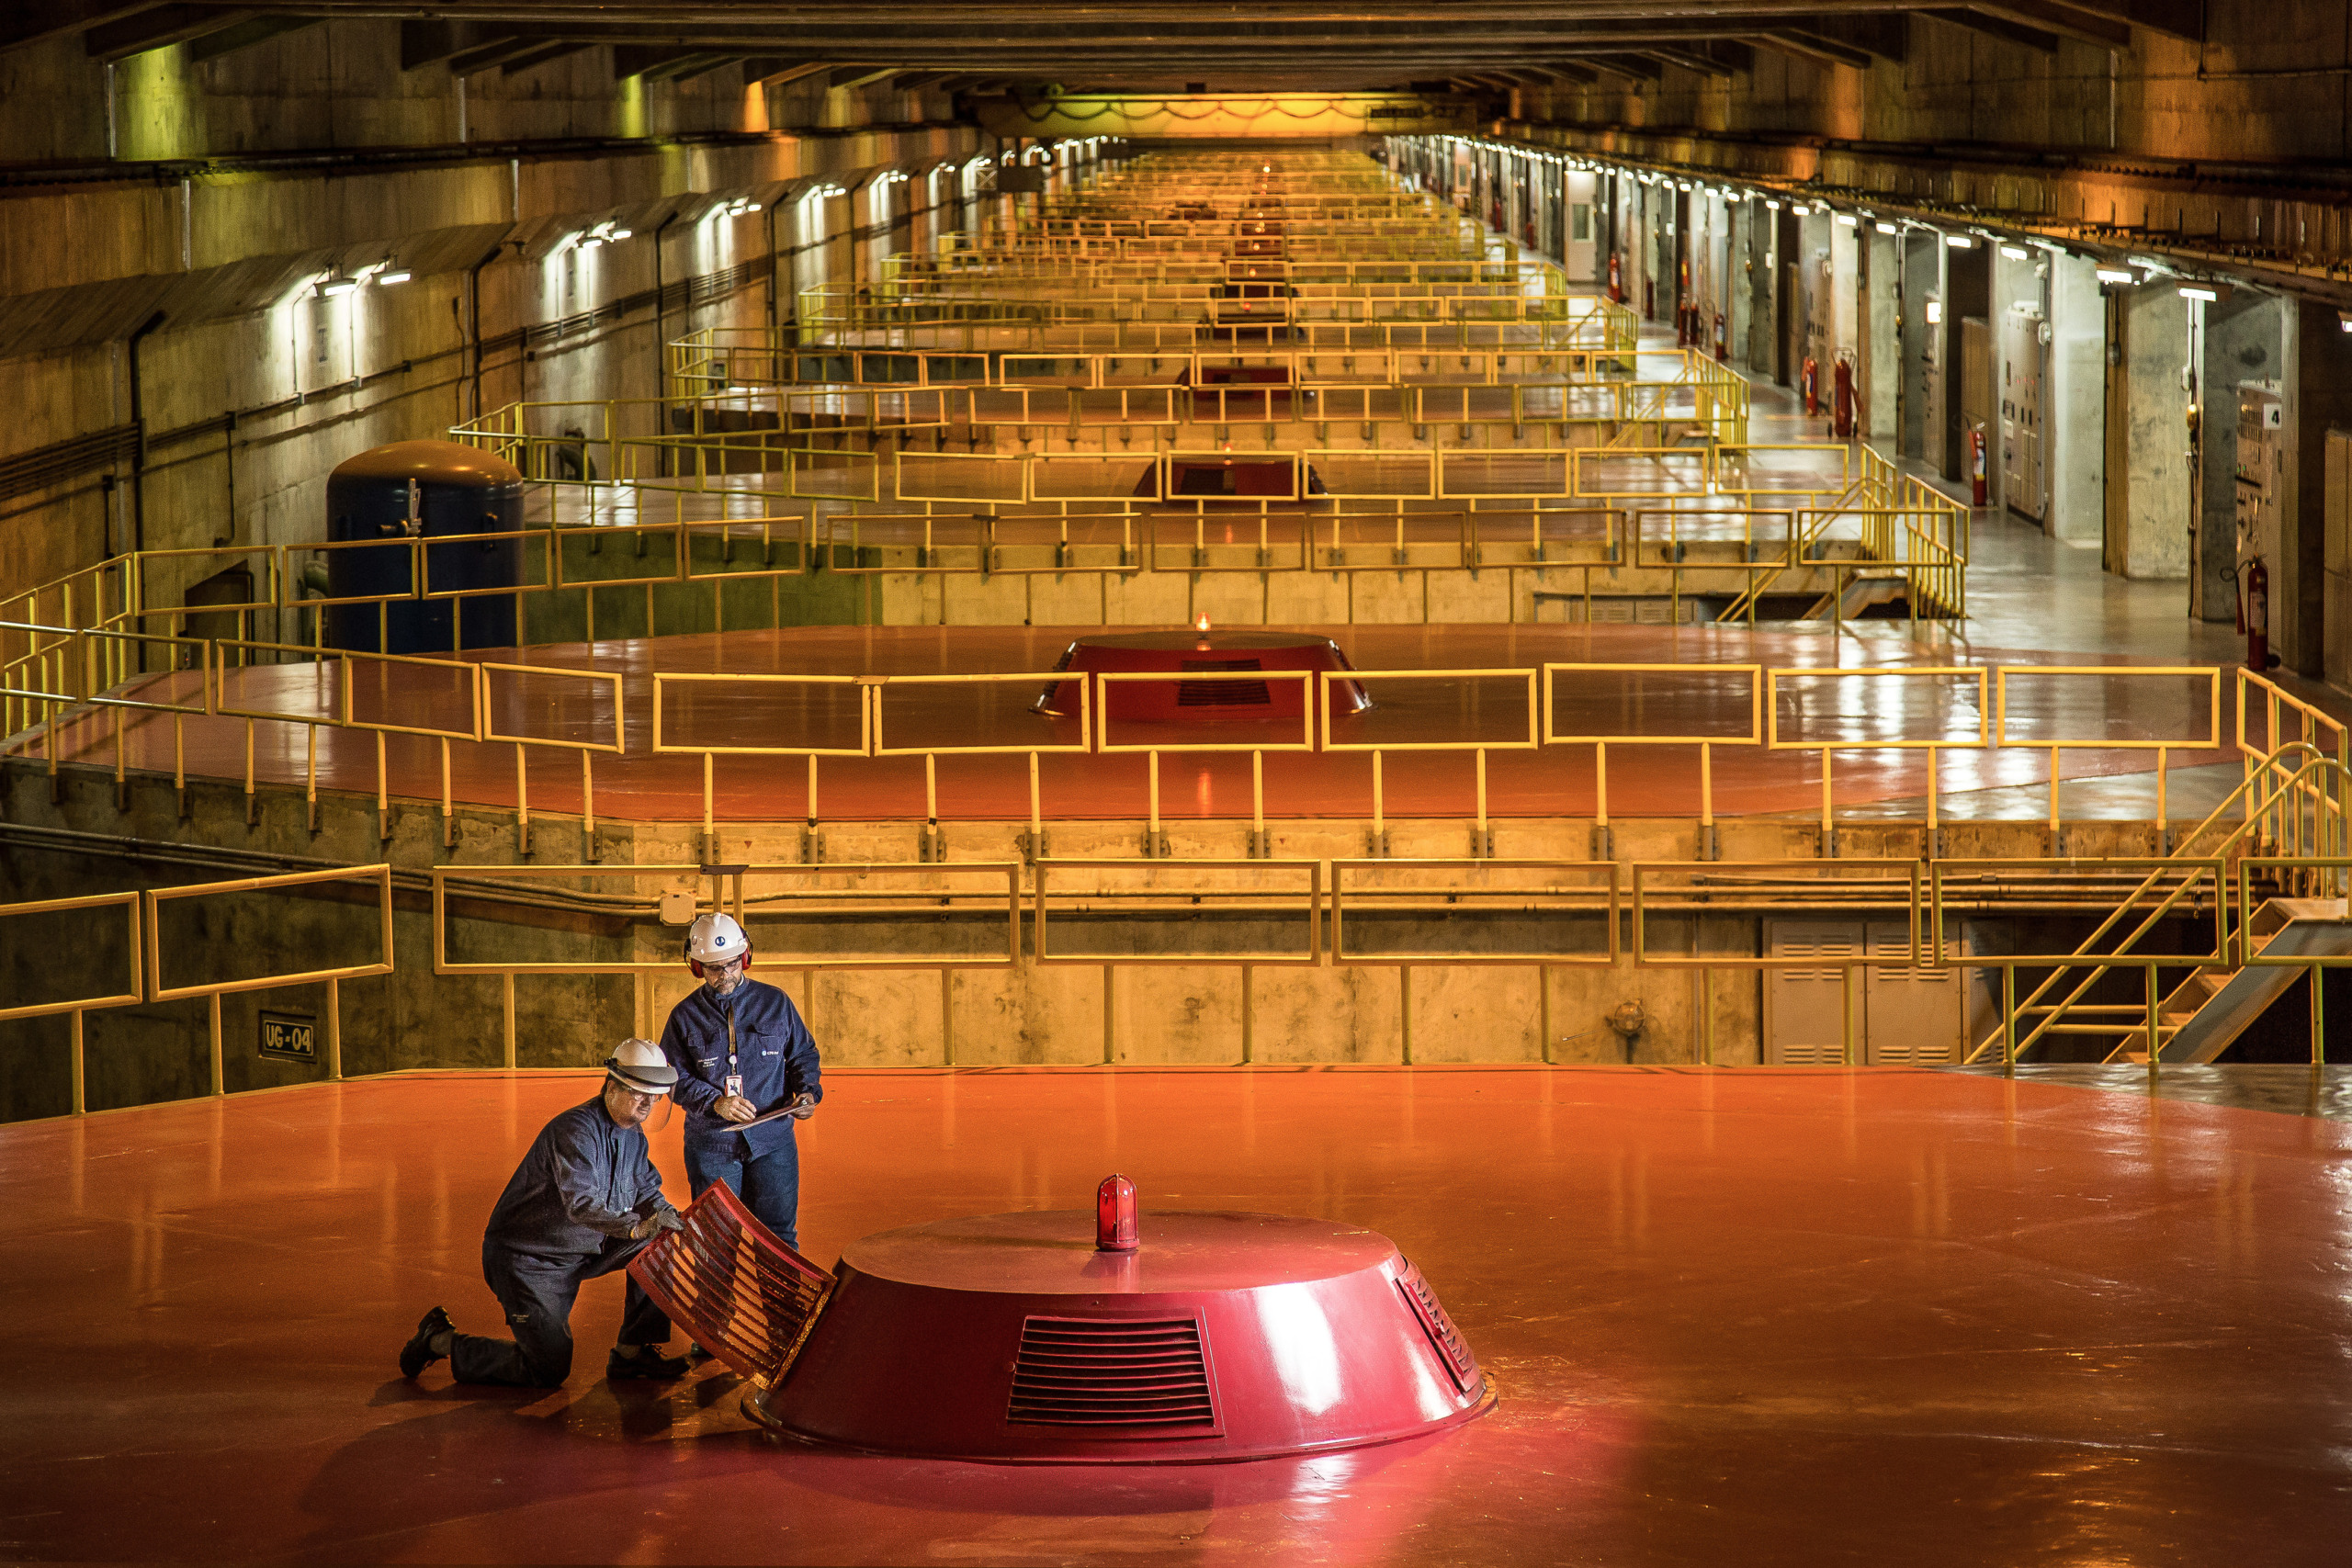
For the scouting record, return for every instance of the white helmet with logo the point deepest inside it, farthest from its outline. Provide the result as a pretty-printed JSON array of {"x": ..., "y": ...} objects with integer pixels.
[
  {"x": 640, "y": 1064},
  {"x": 716, "y": 939}
]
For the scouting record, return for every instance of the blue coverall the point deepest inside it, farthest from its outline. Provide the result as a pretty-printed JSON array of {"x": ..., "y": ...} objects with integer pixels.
[
  {"x": 771, "y": 1049},
  {"x": 565, "y": 1219}
]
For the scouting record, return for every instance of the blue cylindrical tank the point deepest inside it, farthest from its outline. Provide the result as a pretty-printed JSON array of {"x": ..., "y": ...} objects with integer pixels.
[{"x": 413, "y": 488}]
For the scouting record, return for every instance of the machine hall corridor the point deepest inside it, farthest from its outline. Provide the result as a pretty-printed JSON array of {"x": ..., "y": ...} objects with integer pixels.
[{"x": 1648, "y": 713}]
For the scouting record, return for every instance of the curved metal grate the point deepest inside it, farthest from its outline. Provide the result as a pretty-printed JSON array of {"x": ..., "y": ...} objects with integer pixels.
[
  {"x": 745, "y": 1297},
  {"x": 1452, "y": 1349},
  {"x": 1078, "y": 1371}
]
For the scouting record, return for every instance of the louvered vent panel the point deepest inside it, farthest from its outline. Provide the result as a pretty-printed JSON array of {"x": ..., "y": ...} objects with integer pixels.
[
  {"x": 1222, "y": 693},
  {"x": 1833, "y": 947},
  {"x": 1452, "y": 1349},
  {"x": 726, "y": 1280},
  {"x": 1112, "y": 1372}
]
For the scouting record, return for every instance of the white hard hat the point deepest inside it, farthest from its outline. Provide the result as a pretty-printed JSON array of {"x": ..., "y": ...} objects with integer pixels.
[
  {"x": 716, "y": 939},
  {"x": 640, "y": 1064}
]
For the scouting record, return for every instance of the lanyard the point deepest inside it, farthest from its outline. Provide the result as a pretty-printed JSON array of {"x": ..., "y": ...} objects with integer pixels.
[{"x": 734, "y": 1084}]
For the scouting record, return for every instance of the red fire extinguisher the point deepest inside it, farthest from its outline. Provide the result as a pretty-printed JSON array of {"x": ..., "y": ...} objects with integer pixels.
[
  {"x": 1809, "y": 383},
  {"x": 1722, "y": 344},
  {"x": 1844, "y": 405},
  {"x": 1649, "y": 298},
  {"x": 1616, "y": 285},
  {"x": 2253, "y": 580},
  {"x": 1977, "y": 493}
]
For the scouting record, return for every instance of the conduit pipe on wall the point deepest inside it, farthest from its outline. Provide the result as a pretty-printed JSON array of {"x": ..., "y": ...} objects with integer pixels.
[
  {"x": 473, "y": 319},
  {"x": 659, "y": 335},
  {"x": 139, "y": 423}
]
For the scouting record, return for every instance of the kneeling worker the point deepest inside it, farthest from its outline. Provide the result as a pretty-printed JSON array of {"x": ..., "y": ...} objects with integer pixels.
[
  {"x": 742, "y": 1056},
  {"x": 584, "y": 1200}
]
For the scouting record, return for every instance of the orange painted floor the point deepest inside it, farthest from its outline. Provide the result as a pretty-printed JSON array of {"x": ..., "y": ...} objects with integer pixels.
[
  {"x": 1751, "y": 1317},
  {"x": 1865, "y": 713}
]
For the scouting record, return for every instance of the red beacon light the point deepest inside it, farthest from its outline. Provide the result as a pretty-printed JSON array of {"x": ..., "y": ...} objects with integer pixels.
[{"x": 1114, "y": 1216}]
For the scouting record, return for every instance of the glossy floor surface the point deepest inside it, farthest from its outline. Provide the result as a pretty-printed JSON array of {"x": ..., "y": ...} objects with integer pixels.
[
  {"x": 1746, "y": 1317},
  {"x": 1877, "y": 721}
]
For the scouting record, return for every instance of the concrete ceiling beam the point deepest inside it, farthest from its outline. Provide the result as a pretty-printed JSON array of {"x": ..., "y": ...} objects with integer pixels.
[
  {"x": 2175, "y": 19},
  {"x": 159, "y": 26},
  {"x": 1813, "y": 46},
  {"x": 244, "y": 35},
  {"x": 1999, "y": 27},
  {"x": 22, "y": 25},
  {"x": 2065, "y": 20}
]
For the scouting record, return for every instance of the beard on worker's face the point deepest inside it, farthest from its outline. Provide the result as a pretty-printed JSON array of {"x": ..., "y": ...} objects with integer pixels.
[{"x": 724, "y": 985}]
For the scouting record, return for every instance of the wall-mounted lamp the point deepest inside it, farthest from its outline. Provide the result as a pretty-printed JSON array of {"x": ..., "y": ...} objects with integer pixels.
[
  {"x": 1883, "y": 227},
  {"x": 2016, "y": 252},
  {"x": 1935, "y": 312},
  {"x": 2211, "y": 293},
  {"x": 331, "y": 286},
  {"x": 2117, "y": 274},
  {"x": 2343, "y": 320},
  {"x": 391, "y": 276},
  {"x": 1848, "y": 220},
  {"x": 1959, "y": 242}
]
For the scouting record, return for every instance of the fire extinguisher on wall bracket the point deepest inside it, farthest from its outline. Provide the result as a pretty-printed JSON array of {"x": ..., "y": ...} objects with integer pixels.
[
  {"x": 1843, "y": 416},
  {"x": 1722, "y": 344},
  {"x": 1977, "y": 495},
  {"x": 2254, "y": 614},
  {"x": 1809, "y": 383},
  {"x": 1616, "y": 284}
]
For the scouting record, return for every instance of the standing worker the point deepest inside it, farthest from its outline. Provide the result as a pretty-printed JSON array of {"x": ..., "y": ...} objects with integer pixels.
[
  {"x": 742, "y": 1056},
  {"x": 584, "y": 1200}
]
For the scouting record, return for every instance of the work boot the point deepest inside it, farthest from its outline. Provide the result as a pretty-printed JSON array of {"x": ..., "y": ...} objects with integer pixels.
[
  {"x": 646, "y": 1362},
  {"x": 418, "y": 1352}
]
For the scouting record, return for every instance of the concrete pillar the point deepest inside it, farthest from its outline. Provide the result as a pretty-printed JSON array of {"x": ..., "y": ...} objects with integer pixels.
[
  {"x": 2076, "y": 386},
  {"x": 2319, "y": 398},
  {"x": 1746, "y": 223},
  {"x": 1923, "y": 418},
  {"x": 1845, "y": 299},
  {"x": 2155, "y": 522},
  {"x": 1880, "y": 371},
  {"x": 2245, "y": 340}
]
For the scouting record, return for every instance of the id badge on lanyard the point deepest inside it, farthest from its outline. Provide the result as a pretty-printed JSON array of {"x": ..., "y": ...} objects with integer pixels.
[{"x": 733, "y": 1084}]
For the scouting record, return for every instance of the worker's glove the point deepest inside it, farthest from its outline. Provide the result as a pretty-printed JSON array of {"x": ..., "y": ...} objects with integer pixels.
[{"x": 663, "y": 1219}]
